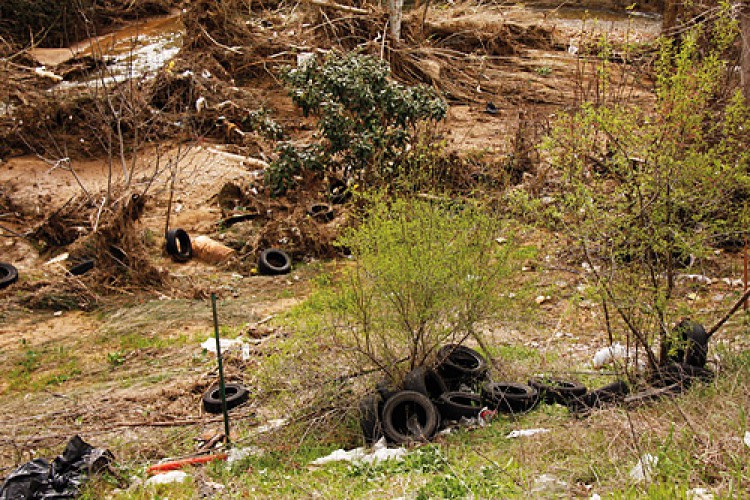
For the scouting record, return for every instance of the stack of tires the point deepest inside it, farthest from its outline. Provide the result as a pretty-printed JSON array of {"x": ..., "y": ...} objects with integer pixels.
[{"x": 431, "y": 398}]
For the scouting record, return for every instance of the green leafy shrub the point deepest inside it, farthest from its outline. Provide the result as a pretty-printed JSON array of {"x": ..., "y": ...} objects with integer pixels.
[
  {"x": 366, "y": 120},
  {"x": 426, "y": 272},
  {"x": 645, "y": 190}
]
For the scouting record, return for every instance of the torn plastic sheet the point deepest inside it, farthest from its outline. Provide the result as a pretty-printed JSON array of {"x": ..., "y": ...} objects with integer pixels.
[
  {"x": 40, "y": 479},
  {"x": 228, "y": 345},
  {"x": 526, "y": 432},
  {"x": 645, "y": 467},
  {"x": 380, "y": 452}
]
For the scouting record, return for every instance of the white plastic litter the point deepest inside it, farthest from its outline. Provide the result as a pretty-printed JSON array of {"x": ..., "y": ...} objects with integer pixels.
[
  {"x": 607, "y": 355},
  {"x": 380, "y": 452},
  {"x": 56, "y": 260},
  {"x": 526, "y": 432},
  {"x": 699, "y": 494},
  {"x": 237, "y": 454},
  {"x": 173, "y": 476},
  {"x": 548, "y": 484},
  {"x": 228, "y": 345},
  {"x": 644, "y": 469},
  {"x": 747, "y": 438}
]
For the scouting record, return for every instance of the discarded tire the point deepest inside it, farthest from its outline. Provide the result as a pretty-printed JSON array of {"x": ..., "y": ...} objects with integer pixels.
[
  {"x": 460, "y": 364},
  {"x": 386, "y": 389},
  {"x": 178, "y": 245},
  {"x": 235, "y": 394},
  {"x": 82, "y": 267},
  {"x": 370, "y": 409},
  {"x": 508, "y": 397},
  {"x": 321, "y": 211},
  {"x": 273, "y": 261},
  {"x": 454, "y": 405},
  {"x": 425, "y": 381},
  {"x": 554, "y": 390},
  {"x": 608, "y": 394},
  {"x": 8, "y": 274},
  {"x": 409, "y": 416},
  {"x": 692, "y": 341},
  {"x": 338, "y": 192},
  {"x": 683, "y": 374}
]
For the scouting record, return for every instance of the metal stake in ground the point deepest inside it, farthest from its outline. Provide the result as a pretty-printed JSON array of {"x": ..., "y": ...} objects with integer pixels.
[{"x": 222, "y": 387}]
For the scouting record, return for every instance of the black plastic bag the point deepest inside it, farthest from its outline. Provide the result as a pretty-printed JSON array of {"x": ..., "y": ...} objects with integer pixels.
[{"x": 40, "y": 479}]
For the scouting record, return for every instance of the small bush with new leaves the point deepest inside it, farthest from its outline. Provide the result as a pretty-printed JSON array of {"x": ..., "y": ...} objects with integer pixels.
[
  {"x": 425, "y": 273},
  {"x": 646, "y": 190},
  {"x": 366, "y": 120}
]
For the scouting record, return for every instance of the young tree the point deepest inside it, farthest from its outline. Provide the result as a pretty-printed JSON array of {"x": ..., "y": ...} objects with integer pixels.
[
  {"x": 425, "y": 273},
  {"x": 647, "y": 190}
]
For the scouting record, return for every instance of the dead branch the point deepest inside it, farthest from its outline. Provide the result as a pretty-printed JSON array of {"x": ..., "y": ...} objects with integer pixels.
[
  {"x": 729, "y": 314},
  {"x": 342, "y": 8}
]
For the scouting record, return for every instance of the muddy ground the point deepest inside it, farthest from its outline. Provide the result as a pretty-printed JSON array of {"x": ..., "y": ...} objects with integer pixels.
[{"x": 116, "y": 357}]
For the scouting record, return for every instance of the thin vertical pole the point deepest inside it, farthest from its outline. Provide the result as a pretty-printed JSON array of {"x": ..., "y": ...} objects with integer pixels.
[
  {"x": 222, "y": 387},
  {"x": 744, "y": 276}
]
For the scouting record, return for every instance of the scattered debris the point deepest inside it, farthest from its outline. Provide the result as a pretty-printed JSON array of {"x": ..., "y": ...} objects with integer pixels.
[
  {"x": 541, "y": 299},
  {"x": 238, "y": 454},
  {"x": 747, "y": 438},
  {"x": 228, "y": 345},
  {"x": 548, "y": 485},
  {"x": 380, "y": 452},
  {"x": 699, "y": 494},
  {"x": 609, "y": 354},
  {"x": 163, "y": 468},
  {"x": 173, "y": 476},
  {"x": 210, "y": 250},
  {"x": 62, "y": 478},
  {"x": 526, "y": 432},
  {"x": 645, "y": 467}
]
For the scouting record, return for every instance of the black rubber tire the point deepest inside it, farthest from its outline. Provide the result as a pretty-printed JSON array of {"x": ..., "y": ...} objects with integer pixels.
[
  {"x": 409, "y": 417},
  {"x": 693, "y": 343},
  {"x": 386, "y": 389},
  {"x": 509, "y": 397},
  {"x": 236, "y": 394},
  {"x": 425, "y": 381},
  {"x": 338, "y": 192},
  {"x": 8, "y": 274},
  {"x": 459, "y": 364},
  {"x": 321, "y": 211},
  {"x": 454, "y": 405},
  {"x": 82, "y": 267},
  {"x": 273, "y": 261},
  {"x": 178, "y": 245},
  {"x": 554, "y": 390},
  {"x": 603, "y": 396},
  {"x": 683, "y": 374},
  {"x": 370, "y": 409}
]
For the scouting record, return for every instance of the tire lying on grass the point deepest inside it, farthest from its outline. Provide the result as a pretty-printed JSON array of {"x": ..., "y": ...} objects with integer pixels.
[
  {"x": 608, "y": 394},
  {"x": 321, "y": 211},
  {"x": 8, "y": 274},
  {"x": 236, "y": 394},
  {"x": 692, "y": 344},
  {"x": 409, "y": 416},
  {"x": 554, "y": 390},
  {"x": 370, "y": 409},
  {"x": 454, "y": 405},
  {"x": 683, "y": 374},
  {"x": 82, "y": 267},
  {"x": 459, "y": 364},
  {"x": 509, "y": 397},
  {"x": 425, "y": 381},
  {"x": 178, "y": 245},
  {"x": 273, "y": 261}
]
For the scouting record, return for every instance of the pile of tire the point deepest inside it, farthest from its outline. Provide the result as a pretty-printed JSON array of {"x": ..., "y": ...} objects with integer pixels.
[{"x": 457, "y": 388}]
